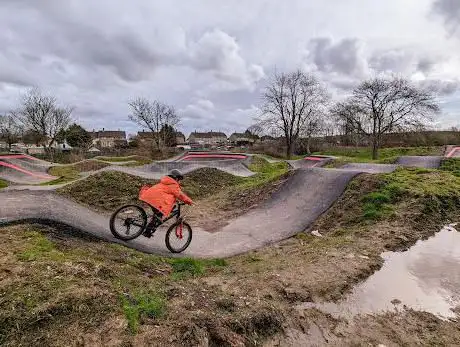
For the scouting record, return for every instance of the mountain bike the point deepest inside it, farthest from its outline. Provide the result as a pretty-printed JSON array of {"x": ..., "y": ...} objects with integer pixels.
[{"x": 132, "y": 221}]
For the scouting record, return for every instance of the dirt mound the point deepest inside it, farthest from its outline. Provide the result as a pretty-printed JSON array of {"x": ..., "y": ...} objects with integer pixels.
[
  {"x": 208, "y": 181},
  {"x": 106, "y": 190}
]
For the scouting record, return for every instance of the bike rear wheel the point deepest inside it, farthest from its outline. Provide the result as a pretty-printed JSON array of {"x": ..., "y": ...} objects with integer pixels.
[
  {"x": 178, "y": 237},
  {"x": 128, "y": 222}
]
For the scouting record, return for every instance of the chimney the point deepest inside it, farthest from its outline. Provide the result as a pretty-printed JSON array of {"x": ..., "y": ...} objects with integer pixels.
[{"x": 103, "y": 129}]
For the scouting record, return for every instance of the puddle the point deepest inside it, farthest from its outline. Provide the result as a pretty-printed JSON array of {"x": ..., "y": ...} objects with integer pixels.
[{"x": 425, "y": 278}]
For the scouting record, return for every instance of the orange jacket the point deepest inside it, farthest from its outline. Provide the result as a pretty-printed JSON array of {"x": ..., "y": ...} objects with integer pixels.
[{"x": 163, "y": 195}]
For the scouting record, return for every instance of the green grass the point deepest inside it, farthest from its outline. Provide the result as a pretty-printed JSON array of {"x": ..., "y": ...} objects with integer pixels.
[
  {"x": 265, "y": 172},
  {"x": 386, "y": 155},
  {"x": 3, "y": 184},
  {"x": 65, "y": 173},
  {"x": 451, "y": 165},
  {"x": 39, "y": 248},
  {"x": 189, "y": 267},
  {"x": 139, "y": 306},
  {"x": 436, "y": 189}
]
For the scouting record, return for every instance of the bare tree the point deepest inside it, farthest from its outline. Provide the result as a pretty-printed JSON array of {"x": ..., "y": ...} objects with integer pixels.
[
  {"x": 10, "y": 130},
  {"x": 255, "y": 130},
  {"x": 381, "y": 105},
  {"x": 41, "y": 114},
  {"x": 290, "y": 102},
  {"x": 153, "y": 116},
  {"x": 314, "y": 126}
]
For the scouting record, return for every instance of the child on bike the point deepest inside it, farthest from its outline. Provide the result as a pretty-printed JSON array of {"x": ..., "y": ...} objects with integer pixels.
[{"x": 163, "y": 196}]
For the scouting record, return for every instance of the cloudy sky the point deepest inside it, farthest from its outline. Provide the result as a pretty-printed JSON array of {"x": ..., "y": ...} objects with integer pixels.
[{"x": 210, "y": 59}]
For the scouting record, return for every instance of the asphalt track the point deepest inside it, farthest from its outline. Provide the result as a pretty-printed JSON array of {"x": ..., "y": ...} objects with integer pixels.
[
  {"x": 310, "y": 161},
  {"x": 292, "y": 209},
  {"x": 23, "y": 169},
  {"x": 428, "y": 162}
]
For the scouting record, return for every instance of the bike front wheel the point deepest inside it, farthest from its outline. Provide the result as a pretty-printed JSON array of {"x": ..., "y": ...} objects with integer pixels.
[
  {"x": 128, "y": 222},
  {"x": 178, "y": 237}
]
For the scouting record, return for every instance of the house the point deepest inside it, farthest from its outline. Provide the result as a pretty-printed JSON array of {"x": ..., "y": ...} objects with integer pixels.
[
  {"x": 93, "y": 150},
  {"x": 242, "y": 139},
  {"x": 267, "y": 138},
  {"x": 180, "y": 138},
  {"x": 108, "y": 138},
  {"x": 210, "y": 138}
]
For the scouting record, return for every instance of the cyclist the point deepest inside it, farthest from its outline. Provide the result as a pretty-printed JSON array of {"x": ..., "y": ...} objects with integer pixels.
[{"x": 163, "y": 196}]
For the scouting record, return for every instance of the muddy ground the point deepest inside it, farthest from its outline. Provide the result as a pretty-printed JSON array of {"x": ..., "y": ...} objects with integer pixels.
[{"x": 109, "y": 295}]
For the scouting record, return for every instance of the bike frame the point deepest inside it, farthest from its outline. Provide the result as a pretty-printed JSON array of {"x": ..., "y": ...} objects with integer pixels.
[{"x": 175, "y": 213}]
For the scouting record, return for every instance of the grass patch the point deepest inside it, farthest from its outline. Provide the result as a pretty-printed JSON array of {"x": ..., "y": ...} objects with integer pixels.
[
  {"x": 451, "y": 165},
  {"x": 66, "y": 174},
  {"x": 265, "y": 172},
  {"x": 434, "y": 188},
  {"x": 3, "y": 184},
  {"x": 137, "y": 307},
  {"x": 386, "y": 155},
  {"x": 39, "y": 248},
  {"x": 189, "y": 267}
]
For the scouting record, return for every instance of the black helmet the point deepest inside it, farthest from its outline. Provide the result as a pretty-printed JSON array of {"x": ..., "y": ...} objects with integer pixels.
[{"x": 176, "y": 174}]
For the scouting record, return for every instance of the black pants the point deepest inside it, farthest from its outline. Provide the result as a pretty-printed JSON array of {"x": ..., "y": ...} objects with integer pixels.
[{"x": 159, "y": 217}]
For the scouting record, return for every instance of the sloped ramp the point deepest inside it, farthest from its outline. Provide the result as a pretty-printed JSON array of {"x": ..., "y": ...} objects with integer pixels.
[
  {"x": 369, "y": 168},
  {"x": 310, "y": 161},
  {"x": 428, "y": 162},
  {"x": 19, "y": 175},
  {"x": 452, "y": 151}
]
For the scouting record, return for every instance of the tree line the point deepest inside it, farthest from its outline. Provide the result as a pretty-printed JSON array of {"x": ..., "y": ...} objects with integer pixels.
[{"x": 294, "y": 105}]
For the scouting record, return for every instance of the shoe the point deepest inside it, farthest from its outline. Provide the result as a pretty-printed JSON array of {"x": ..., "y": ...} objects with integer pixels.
[{"x": 147, "y": 233}]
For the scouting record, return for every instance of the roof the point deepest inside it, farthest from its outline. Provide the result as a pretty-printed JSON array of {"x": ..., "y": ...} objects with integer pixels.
[
  {"x": 242, "y": 135},
  {"x": 149, "y": 134},
  {"x": 209, "y": 134},
  {"x": 108, "y": 133}
]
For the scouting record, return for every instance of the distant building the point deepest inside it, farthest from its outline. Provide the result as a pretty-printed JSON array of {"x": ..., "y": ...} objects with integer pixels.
[
  {"x": 93, "y": 150},
  {"x": 242, "y": 139},
  {"x": 267, "y": 138},
  {"x": 180, "y": 138},
  {"x": 108, "y": 138},
  {"x": 210, "y": 138}
]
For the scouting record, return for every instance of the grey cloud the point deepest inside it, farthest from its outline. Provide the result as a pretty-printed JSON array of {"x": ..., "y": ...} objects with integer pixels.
[
  {"x": 450, "y": 11},
  {"x": 396, "y": 61},
  {"x": 426, "y": 65},
  {"x": 345, "y": 57},
  {"x": 441, "y": 87}
]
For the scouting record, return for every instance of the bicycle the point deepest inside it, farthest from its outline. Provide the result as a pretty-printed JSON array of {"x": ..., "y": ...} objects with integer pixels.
[{"x": 137, "y": 216}]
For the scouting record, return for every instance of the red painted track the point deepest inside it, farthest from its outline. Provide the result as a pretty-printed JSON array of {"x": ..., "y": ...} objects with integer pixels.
[
  {"x": 211, "y": 156},
  {"x": 17, "y": 156},
  {"x": 14, "y": 167},
  {"x": 452, "y": 152},
  {"x": 314, "y": 158}
]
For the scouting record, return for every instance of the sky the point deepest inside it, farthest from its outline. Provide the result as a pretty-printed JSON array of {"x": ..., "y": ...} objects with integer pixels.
[{"x": 211, "y": 59}]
